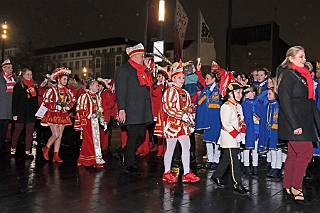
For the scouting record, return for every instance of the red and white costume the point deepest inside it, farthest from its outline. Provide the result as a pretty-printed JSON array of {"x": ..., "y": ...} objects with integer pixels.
[
  {"x": 52, "y": 98},
  {"x": 87, "y": 119},
  {"x": 175, "y": 102}
]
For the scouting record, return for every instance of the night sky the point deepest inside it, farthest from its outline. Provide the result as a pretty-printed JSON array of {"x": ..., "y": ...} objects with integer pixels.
[{"x": 58, "y": 22}]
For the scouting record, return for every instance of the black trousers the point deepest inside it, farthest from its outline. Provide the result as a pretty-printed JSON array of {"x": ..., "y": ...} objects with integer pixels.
[
  {"x": 229, "y": 158},
  {"x": 136, "y": 133},
  {"x": 3, "y": 129}
]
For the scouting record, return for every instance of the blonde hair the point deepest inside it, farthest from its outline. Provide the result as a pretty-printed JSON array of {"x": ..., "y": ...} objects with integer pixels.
[{"x": 292, "y": 51}]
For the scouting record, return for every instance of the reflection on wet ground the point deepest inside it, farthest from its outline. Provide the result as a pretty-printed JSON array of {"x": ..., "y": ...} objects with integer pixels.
[{"x": 41, "y": 186}]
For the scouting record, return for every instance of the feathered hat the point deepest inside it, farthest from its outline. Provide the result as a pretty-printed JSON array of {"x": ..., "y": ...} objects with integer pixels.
[
  {"x": 105, "y": 82},
  {"x": 131, "y": 51},
  {"x": 214, "y": 65},
  {"x": 176, "y": 69},
  {"x": 162, "y": 70},
  {"x": 60, "y": 71}
]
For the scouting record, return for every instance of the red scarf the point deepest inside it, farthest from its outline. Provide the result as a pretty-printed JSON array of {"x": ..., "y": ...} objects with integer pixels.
[
  {"x": 306, "y": 74},
  {"x": 143, "y": 77},
  {"x": 10, "y": 81},
  {"x": 31, "y": 89}
]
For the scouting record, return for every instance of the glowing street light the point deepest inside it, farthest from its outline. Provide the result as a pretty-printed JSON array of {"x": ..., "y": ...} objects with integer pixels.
[
  {"x": 84, "y": 71},
  {"x": 4, "y": 37},
  {"x": 161, "y": 10}
]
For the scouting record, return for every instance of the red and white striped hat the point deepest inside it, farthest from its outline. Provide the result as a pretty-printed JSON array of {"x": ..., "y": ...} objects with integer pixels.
[
  {"x": 6, "y": 63},
  {"x": 105, "y": 82},
  {"x": 131, "y": 51},
  {"x": 60, "y": 71}
]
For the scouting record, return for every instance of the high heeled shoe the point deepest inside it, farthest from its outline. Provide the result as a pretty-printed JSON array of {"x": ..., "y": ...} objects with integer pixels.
[
  {"x": 56, "y": 158},
  {"x": 45, "y": 151},
  {"x": 300, "y": 194},
  {"x": 287, "y": 193}
]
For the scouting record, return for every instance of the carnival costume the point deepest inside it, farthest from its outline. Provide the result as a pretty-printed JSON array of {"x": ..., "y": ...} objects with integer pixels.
[
  {"x": 58, "y": 100},
  {"x": 89, "y": 116}
]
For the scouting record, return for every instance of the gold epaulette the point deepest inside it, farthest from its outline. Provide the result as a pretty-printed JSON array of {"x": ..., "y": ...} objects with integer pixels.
[
  {"x": 202, "y": 99},
  {"x": 214, "y": 106}
]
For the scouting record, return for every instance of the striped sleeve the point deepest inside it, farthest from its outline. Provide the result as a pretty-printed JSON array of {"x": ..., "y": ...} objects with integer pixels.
[{"x": 170, "y": 103}]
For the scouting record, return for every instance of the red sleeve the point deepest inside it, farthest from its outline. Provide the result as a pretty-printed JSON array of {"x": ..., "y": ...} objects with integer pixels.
[
  {"x": 201, "y": 78},
  {"x": 234, "y": 133}
]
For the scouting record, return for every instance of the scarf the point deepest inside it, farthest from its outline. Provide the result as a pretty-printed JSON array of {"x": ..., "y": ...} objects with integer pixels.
[
  {"x": 31, "y": 89},
  {"x": 306, "y": 74},
  {"x": 10, "y": 81},
  {"x": 143, "y": 77}
]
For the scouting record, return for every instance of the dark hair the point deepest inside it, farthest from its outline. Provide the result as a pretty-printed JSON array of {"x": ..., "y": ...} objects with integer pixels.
[
  {"x": 274, "y": 92},
  {"x": 215, "y": 75},
  {"x": 265, "y": 70}
]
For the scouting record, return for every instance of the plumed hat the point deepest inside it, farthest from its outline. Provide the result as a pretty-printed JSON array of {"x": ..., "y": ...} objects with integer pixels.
[
  {"x": 214, "y": 65},
  {"x": 163, "y": 71},
  {"x": 176, "y": 69},
  {"x": 131, "y": 51},
  {"x": 60, "y": 71},
  {"x": 105, "y": 82},
  {"x": 6, "y": 62}
]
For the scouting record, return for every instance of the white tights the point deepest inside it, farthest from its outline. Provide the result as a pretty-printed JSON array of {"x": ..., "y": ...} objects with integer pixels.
[
  {"x": 185, "y": 157},
  {"x": 213, "y": 155}
]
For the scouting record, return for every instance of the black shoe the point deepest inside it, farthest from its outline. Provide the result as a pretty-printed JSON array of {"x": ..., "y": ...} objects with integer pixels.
[
  {"x": 276, "y": 173},
  {"x": 255, "y": 170},
  {"x": 300, "y": 202},
  {"x": 267, "y": 167},
  {"x": 286, "y": 193},
  {"x": 209, "y": 164},
  {"x": 241, "y": 189},
  {"x": 247, "y": 170},
  {"x": 122, "y": 159},
  {"x": 132, "y": 170},
  {"x": 217, "y": 181},
  {"x": 29, "y": 156},
  {"x": 270, "y": 173},
  {"x": 214, "y": 166}
]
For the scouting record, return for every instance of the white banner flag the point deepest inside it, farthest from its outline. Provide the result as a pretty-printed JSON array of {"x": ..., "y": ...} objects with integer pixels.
[
  {"x": 206, "y": 50},
  {"x": 180, "y": 27}
]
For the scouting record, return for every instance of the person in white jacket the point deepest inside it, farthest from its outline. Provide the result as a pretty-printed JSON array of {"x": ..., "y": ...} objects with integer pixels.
[{"x": 232, "y": 134}]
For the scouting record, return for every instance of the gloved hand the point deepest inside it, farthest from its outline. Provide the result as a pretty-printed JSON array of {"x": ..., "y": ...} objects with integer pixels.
[
  {"x": 239, "y": 138},
  {"x": 66, "y": 108},
  {"x": 58, "y": 107},
  {"x": 243, "y": 135},
  {"x": 185, "y": 117},
  {"x": 89, "y": 116}
]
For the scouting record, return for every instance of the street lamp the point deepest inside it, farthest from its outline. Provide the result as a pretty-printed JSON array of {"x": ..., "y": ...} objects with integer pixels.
[
  {"x": 4, "y": 37},
  {"x": 161, "y": 17},
  {"x": 84, "y": 71}
]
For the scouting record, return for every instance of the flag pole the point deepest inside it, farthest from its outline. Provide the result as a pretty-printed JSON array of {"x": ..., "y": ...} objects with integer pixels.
[{"x": 199, "y": 34}]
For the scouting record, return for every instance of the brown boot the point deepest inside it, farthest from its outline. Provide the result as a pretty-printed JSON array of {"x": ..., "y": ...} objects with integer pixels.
[
  {"x": 56, "y": 158},
  {"x": 45, "y": 151}
]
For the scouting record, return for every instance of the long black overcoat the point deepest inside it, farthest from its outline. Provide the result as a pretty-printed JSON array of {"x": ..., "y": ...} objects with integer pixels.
[
  {"x": 132, "y": 97},
  {"x": 22, "y": 106},
  {"x": 296, "y": 110}
]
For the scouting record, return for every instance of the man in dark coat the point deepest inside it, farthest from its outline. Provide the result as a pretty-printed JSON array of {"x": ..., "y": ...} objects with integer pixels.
[
  {"x": 6, "y": 88},
  {"x": 132, "y": 85}
]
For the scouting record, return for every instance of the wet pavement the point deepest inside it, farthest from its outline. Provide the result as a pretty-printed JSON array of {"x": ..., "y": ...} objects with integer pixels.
[{"x": 41, "y": 186}]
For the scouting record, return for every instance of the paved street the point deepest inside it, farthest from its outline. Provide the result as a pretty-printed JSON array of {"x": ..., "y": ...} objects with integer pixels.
[{"x": 40, "y": 186}]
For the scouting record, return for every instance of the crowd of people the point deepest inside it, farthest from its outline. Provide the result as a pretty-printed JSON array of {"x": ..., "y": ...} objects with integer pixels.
[{"x": 242, "y": 117}]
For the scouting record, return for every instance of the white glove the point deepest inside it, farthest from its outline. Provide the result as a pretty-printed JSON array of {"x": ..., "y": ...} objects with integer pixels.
[
  {"x": 66, "y": 108},
  {"x": 155, "y": 118},
  {"x": 191, "y": 129},
  {"x": 185, "y": 117},
  {"x": 89, "y": 116},
  {"x": 239, "y": 138},
  {"x": 243, "y": 135},
  {"x": 58, "y": 107}
]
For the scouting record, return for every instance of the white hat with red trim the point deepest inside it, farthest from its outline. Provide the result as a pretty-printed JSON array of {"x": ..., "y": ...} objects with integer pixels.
[
  {"x": 60, "y": 71},
  {"x": 131, "y": 51},
  {"x": 6, "y": 63},
  {"x": 176, "y": 69}
]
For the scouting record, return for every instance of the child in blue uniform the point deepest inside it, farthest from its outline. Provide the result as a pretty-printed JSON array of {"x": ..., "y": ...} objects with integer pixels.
[
  {"x": 254, "y": 116},
  {"x": 208, "y": 117}
]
